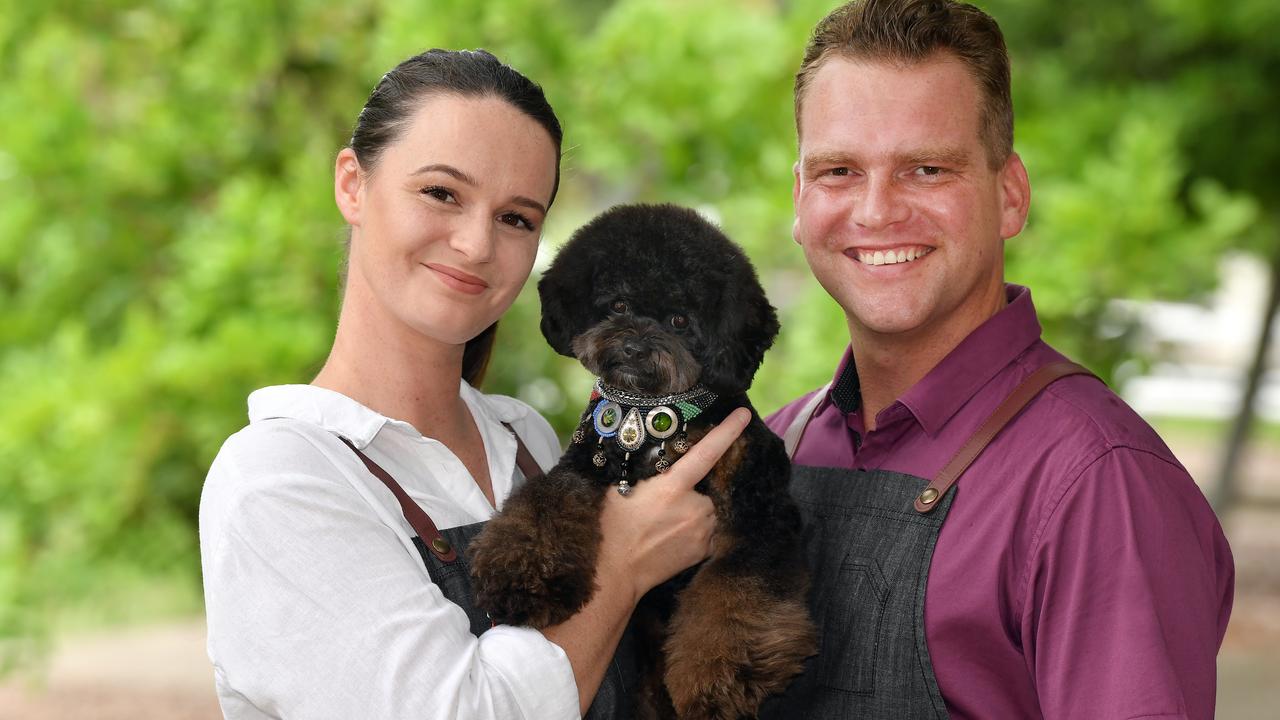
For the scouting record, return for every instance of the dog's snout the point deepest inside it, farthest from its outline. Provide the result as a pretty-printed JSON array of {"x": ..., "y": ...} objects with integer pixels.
[{"x": 632, "y": 347}]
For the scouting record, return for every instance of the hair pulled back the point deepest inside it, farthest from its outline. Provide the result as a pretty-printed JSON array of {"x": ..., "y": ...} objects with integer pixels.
[{"x": 468, "y": 73}]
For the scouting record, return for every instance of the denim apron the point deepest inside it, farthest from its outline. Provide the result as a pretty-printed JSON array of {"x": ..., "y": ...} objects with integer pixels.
[
  {"x": 869, "y": 539},
  {"x": 444, "y": 553}
]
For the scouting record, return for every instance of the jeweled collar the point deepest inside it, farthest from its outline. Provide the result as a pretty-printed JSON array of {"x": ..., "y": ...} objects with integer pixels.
[{"x": 634, "y": 420}]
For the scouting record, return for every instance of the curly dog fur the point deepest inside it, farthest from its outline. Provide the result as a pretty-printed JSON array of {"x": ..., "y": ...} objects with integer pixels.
[{"x": 652, "y": 299}]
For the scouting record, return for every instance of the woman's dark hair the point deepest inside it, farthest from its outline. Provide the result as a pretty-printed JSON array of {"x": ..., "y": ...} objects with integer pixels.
[{"x": 469, "y": 73}]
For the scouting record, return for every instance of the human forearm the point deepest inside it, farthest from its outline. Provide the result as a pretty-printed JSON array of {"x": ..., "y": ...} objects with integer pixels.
[{"x": 590, "y": 637}]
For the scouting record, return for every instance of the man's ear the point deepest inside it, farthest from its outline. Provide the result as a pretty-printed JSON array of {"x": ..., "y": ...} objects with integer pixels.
[
  {"x": 1015, "y": 196},
  {"x": 348, "y": 181}
]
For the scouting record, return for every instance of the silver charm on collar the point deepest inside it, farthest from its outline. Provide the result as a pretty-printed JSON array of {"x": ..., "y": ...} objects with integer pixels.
[{"x": 631, "y": 435}]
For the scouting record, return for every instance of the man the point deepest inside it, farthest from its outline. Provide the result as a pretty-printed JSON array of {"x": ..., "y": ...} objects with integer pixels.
[{"x": 1074, "y": 569}]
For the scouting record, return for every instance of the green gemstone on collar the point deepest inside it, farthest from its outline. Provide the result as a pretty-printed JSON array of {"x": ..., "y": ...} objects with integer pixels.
[
  {"x": 662, "y": 422},
  {"x": 609, "y": 417}
]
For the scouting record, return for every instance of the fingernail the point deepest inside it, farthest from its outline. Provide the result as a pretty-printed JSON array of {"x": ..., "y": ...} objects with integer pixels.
[{"x": 744, "y": 415}]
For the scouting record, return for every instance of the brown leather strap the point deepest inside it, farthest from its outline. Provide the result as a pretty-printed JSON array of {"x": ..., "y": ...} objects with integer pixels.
[
  {"x": 418, "y": 519},
  {"x": 524, "y": 459},
  {"x": 1017, "y": 400}
]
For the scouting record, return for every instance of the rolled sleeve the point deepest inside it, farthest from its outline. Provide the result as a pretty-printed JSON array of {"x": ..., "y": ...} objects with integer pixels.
[
  {"x": 1127, "y": 594},
  {"x": 513, "y": 653}
]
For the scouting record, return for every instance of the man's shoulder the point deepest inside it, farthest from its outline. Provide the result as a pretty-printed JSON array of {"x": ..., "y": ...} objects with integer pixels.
[
  {"x": 779, "y": 420},
  {"x": 1089, "y": 412}
]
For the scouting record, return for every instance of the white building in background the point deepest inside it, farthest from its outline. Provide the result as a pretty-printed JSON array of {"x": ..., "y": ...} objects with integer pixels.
[{"x": 1202, "y": 353}]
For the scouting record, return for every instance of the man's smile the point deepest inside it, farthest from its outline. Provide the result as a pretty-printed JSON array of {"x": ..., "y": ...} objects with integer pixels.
[{"x": 888, "y": 256}]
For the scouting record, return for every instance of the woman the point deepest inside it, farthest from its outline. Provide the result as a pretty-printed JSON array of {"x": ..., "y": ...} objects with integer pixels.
[{"x": 320, "y": 603}]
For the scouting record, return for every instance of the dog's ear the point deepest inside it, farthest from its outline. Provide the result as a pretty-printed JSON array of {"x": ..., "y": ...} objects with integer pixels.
[
  {"x": 742, "y": 334},
  {"x": 565, "y": 293}
]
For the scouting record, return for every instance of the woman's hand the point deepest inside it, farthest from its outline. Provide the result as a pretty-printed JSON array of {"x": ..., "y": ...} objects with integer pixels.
[{"x": 664, "y": 525}]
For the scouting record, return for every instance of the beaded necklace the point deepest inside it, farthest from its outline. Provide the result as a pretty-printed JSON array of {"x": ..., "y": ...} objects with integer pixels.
[{"x": 633, "y": 420}]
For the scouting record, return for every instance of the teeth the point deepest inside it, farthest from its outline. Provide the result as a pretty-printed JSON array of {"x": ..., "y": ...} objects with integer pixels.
[{"x": 892, "y": 257}]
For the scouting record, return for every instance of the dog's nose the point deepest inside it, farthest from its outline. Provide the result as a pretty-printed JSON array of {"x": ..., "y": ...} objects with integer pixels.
[{"x": 631, "y": 348}]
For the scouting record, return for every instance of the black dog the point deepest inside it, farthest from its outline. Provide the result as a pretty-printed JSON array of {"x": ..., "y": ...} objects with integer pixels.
[{"x": 668, "y": 313}]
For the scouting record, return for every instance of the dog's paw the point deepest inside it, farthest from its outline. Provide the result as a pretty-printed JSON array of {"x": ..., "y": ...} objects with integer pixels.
[
  {"x": 732, "y": 645},
  {"x": 535, "y": 565}
]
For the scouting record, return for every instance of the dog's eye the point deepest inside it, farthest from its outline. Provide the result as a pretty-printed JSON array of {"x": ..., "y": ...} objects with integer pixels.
[
  {"x": 679, "y": 322},
  {"x": 620, "y": 307}
]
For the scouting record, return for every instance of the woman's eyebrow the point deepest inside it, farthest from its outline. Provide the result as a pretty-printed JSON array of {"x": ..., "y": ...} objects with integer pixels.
[
  {"x": 531, "y": 204},
  {"x": 449, "y": 170},
  {"x": 462, "y": 177}
]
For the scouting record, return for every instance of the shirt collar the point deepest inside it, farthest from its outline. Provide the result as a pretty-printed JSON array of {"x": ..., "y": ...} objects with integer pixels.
[
  {"x": 347, "y": 418},
  {"x": 966, "y": 369},
  {"x": 846, "y": 391}
]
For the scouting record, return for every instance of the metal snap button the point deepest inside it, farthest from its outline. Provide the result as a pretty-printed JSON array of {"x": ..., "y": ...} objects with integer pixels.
[
  {"x": 928, "y": 496},
  {"x": 441, "y": 546}
]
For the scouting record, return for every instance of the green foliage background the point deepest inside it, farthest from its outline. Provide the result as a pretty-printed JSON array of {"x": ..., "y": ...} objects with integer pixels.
[{"x": 168, "y": 240}]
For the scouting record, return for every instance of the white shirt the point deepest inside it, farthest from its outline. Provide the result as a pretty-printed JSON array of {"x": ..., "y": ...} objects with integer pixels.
[{"x": 318, "y": 603}]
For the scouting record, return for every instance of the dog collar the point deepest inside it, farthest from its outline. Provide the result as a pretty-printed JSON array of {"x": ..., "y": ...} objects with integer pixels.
[{"x": 632, "y": 420}]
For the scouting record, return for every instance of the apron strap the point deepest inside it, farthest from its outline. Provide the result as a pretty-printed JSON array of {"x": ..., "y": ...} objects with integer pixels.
[
  {"x": 524, "y": 459},
  {"x": 1017, "y": 400},
  {"x": 417, "y": 518},
  {"x": 791, "y": 437}
]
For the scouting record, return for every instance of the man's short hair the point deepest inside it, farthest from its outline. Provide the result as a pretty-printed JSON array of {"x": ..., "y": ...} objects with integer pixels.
[{"x": 910, "y": 31}]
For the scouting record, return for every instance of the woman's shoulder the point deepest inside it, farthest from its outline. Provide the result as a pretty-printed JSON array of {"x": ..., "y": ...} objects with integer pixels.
[
  {"x": 280, "y": 440},
  {"x": 297, "y": 430},
  {"x": 272, "y": 474},
  {"x": 274, "y": 451}
]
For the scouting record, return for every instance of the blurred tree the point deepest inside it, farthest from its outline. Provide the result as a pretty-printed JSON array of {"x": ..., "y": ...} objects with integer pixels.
[
  {"x": 1197, "y": 81},
  {"x": 168, "y": 241}
]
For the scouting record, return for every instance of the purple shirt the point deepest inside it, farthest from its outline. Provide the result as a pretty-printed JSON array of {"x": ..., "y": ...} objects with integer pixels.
[{"x": 1080, "y": 572}]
